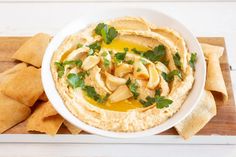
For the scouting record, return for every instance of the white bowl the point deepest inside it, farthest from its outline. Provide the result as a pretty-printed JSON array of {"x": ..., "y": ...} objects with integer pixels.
[{"x": 152, "y": 16}]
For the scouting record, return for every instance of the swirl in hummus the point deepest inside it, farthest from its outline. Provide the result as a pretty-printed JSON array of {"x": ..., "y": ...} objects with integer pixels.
[{"x": 124, "y": 75}]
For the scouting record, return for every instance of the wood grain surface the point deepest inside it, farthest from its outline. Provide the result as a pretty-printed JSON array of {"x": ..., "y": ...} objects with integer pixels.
[{"x": 224, "y": 123}]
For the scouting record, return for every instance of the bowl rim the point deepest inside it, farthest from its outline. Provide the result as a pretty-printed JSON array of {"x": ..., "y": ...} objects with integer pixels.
[{"x": 57, "y": 102}]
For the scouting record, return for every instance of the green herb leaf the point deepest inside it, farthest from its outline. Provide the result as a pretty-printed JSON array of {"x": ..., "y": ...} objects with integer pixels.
[
  {"x": 149, "y": 101},
  {"x": 134, "y": 50},
  {"x": 170, "y": 77},
  {"x": 158, "y": 54},
  {"x": 193, "y": 60},
  {"x": 176, "y": 58},
  {"x": 79, "y": 45},
  {"x": 138, "y": 70},
  {"x": 162, "y": 102},
  {"x": 96, "y": 46},
  {"x": 133, "y": 88},
  {"x": 120, "y": 56},
  {"x": 130, "y": 62},
  {"x": 99, "y": 27},
  {"x": 91, "y": 92},
  {"x": 104, "y": 54},
  {"x": 126, "y": 49},
  {"x": 76, "y": 80},
  {"x": 108, "y": 33},
  {"x": 78, "y": 63},
  {"x": 106, "y": 63},
  {"x": 60, "y": 69},
  {"x": 157, "y": 92}
]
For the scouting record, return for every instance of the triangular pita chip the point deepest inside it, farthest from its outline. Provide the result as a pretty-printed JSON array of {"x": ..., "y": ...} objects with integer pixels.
[
  {"x": 6, "y": 75},
  {"x": 11, "y": 112},
  {"x": 32, "y": 51},
  {"x": 73, "y": 129},
  {"x": 200, "y": 116},
  {"x": 45, "y": 119},
  {"x": 24, "y": 86}
]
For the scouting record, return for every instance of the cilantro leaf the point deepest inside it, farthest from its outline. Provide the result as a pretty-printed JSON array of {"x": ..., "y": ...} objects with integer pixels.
[
  {"x": 157, "y": 54},
  {"x": 60, "y": 69},
  {"x": 78, "y": 63},
  {"x": 91, "y": 92},
  {"x": 162, "y": 102},
  {"x": 134, "y": 50},
  {"x": 157, "y": 92},
  {"x": 104, "y": 54},
  {"x": 107, "y": 32},
  {"x": 170, "y": 77},
  {"x": 193, "y": 60},
  {"x": 131, "y": 62},
  {"x": 149, "y": 101},
  {"x": 96, "y": 46},
  {"x": 112, "y": 33},
  {"x": 99, "y": 27},
  {"x": 76, "y": 80},
  {"x": 120, "y": 56},
  {"x": 176, "y": 58},
  {"x": 79, "y": 45},
  {"x": 106, "y": 63},
  {"x": 133, "y": 88}
]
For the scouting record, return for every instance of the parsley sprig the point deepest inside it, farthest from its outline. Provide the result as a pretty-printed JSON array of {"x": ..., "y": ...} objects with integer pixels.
[
  {"x": 61, "y": 66},
  {"x": 176, "y": 58},
  {"x": 193, "y": 60},
  {"x": 91, "y": 92},
  {"x": 170, "y": 76},
  {"x": 133, "y": 86},
  {"x": 157, "y": 54},
  {"x": 107, "y": 32},
  {"x": 96, "y": 46},
  {"x": 160, "y": 101},
  {"x": 76, "y": 80},
  {"x": 120, "y": 56}
]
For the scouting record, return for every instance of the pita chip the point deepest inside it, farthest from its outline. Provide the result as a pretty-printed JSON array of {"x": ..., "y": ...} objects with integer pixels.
[
  {"x": 200, "y": 116},
  {"x": 73, "y": 129},
  {"x": 214, "y": 80},
  {"x": 11, "y": 112},
  {"x": 24, "y": 86},
  {"x": 45, "y": 119},
  {"x": 32, "y": 51},
  {"x": 6, "y": 75},
  {"x": 43, "y": 97}
]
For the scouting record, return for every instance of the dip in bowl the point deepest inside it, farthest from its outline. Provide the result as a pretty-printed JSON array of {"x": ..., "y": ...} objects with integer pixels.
[{"x": 125, "y": 76}]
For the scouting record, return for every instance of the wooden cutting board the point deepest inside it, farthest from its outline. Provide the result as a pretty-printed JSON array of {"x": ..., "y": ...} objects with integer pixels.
[{"x": 224, "y": 123}]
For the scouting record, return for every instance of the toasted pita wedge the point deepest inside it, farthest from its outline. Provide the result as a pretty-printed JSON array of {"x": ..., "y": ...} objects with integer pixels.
[
  {"x": 200, "y": 116},
  {"x": 43, "y": 97},
  {"x": 4, "y": 76},
  {"x": 214, "y": 80},
  {"x": 44, "y": 119},
  {"x": 73, "y": 129},
  {"x": 24, "y": 86},
  {"x": 32, "y": 51},
  {"x": 11, "y": 112}
]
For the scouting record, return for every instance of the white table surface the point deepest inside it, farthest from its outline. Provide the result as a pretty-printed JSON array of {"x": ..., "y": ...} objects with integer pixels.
[{"x": 204, "y": 19}]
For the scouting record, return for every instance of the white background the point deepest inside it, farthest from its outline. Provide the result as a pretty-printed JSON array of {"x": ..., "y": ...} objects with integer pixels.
[{"x": 204, "y": 19}]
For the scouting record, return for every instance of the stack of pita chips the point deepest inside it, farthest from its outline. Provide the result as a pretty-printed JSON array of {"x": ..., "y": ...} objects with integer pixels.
[
  {"x": 206, "y": 108},
  {"x": 21, "y": 87}
]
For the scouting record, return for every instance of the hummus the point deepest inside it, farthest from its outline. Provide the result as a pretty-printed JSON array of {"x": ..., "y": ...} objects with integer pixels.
[{"x": 123, "y": 75}]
